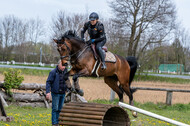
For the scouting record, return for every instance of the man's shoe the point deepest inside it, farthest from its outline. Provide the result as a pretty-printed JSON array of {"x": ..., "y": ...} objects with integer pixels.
[
  {"x": 103, "y": 66},
  {"x": 80, "y": 92}
]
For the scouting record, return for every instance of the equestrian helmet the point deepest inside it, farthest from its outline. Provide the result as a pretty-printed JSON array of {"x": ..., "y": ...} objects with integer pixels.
[{"x": 93, "y": 16}]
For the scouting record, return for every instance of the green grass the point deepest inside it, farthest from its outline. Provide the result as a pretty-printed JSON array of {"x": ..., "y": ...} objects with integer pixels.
[
  {"x": 30, "y": 71},
  {"x": 178, "y": 112},
  {"x": 161, "y": 79},
  {"x": 28, "y": 116},
  {"x": 27, "y": 65}
]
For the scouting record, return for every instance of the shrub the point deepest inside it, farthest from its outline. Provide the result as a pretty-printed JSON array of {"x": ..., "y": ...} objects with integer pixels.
[{"x": 13, "y": 79}]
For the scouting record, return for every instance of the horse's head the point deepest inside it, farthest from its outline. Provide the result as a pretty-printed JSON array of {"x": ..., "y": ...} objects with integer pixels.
[
  {"x": 64, "y": 49},
  {"x": 65, "y": 44}
]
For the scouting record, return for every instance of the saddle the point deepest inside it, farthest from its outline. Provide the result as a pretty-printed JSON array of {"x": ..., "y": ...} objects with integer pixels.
[
  {"x": 109, "y": 57},
  {"x": 96, "y": 56}
]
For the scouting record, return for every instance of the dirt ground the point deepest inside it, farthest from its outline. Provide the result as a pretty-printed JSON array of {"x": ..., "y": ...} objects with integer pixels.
[{"x": 97, "y": 89}]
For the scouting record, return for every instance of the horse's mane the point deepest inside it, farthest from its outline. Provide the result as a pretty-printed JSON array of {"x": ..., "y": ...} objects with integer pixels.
[{"x": 72, "y": 34}]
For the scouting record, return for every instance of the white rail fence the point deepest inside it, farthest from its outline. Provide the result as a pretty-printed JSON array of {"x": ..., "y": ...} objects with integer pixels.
[
  {"x": 168, "y": 95},
  {"x": 26, "y": 63},
  {"x": 152, "y": 114}
]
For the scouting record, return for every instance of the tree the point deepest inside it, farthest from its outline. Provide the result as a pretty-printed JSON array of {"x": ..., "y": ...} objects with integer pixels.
[
  {"x": 61, "y": 23},
  {"x": 35, "y": 29},
  {"x": 144, "y": 22}
]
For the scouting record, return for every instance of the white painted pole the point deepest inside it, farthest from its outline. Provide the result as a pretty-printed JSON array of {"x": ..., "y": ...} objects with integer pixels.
[{"x": 152, "y": 114}]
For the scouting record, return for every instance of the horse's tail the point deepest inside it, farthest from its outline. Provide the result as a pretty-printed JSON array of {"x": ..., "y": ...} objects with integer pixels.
[{"x": 133, "y": 66}]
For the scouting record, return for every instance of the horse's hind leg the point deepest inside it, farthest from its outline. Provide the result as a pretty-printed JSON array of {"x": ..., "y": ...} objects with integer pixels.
[
  {"x": 112, "y": 83},
  {"x": 127, "y": 90},
  {"x": 129, "y": 93}
]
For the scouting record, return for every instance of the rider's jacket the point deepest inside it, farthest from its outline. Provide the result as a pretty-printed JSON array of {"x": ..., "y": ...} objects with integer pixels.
[{"x": 95, "y": 31}]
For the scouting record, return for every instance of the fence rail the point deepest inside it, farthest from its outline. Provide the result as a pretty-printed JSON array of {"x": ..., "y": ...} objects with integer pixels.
[
  {"x": 168, "y": 95},
  {"x": 26, "y": 63},
  {"x": 152, "y": 114}
]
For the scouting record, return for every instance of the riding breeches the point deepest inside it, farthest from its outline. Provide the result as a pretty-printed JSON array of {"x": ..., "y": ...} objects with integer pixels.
[{"x": 99, "y": 50}]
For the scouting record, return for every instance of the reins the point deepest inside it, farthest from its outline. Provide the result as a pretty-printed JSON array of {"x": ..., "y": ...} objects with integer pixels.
[{"x": 69, "y": 50}]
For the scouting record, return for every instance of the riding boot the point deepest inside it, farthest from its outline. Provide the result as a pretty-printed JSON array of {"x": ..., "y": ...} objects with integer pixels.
[
  {"x": 103, "y": 65},
  {"x": 102, "y": 57}
]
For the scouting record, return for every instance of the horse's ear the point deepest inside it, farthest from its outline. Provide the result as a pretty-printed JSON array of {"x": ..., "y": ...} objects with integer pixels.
[{"x": 55, "y": 40}]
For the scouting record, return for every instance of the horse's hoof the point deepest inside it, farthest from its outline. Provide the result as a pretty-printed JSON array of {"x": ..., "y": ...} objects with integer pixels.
[{"x": 134, "y": 114}]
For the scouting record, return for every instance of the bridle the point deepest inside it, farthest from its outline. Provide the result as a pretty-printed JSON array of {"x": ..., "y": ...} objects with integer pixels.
[
  {"x": 81, "y": 51},
  {"x": 68, "y": 49}
]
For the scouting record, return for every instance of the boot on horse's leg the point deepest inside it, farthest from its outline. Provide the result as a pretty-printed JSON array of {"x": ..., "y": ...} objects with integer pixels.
[{"x": 77, "y": 87}]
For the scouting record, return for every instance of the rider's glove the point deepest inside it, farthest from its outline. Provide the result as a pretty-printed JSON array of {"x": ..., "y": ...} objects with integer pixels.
[{"x": 91, "y": 41}]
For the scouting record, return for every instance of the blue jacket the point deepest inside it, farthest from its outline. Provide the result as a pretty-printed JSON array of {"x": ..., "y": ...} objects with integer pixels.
[{"x": 52, "y": 82}]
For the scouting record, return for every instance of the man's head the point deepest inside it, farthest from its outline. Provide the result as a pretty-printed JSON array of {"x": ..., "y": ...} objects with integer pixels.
[{"x": 93, "y": 17}]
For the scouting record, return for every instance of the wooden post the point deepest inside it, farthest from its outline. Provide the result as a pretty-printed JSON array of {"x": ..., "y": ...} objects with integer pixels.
[
  {"x": 2, "y": 110},
  {"x": 169, "y": 98},
  {"x": 3, "y": 115}
]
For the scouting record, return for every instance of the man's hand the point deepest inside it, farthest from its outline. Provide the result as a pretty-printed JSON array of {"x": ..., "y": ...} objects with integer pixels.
[{"x": 48, "y": 96}]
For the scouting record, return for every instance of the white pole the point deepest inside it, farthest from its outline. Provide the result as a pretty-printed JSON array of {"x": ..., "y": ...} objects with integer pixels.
[{"x": 152, "y": 114}]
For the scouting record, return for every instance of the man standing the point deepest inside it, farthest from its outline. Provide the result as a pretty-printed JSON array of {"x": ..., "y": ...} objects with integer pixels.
[{"x": 57, "y": 84}]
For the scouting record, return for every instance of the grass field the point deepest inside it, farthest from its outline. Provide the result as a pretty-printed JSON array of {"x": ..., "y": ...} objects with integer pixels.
[
  {"x": 137, "y": 77},
  {"x": 28, "y": 116},
  {"x": 178, "y": 112}
]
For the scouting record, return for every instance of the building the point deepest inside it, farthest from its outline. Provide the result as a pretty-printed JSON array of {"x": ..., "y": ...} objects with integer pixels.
[{"x": 171, "y": 68}]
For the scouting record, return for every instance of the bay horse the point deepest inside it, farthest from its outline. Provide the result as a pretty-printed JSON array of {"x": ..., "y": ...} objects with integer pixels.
[{"x": 79, "y": 53}]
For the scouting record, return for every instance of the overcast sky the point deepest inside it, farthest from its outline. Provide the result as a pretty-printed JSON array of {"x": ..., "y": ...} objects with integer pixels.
[{"x": 45, "y": 9}]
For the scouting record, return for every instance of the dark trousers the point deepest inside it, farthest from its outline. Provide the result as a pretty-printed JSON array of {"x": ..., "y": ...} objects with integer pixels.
[{"x": 99, "y": 50}]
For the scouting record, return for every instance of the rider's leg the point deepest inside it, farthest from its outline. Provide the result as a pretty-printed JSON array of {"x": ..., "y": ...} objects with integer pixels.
[{"x": 100, "y": 52}]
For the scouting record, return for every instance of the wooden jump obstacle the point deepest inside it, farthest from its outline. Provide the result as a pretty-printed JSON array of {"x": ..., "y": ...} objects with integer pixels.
[
  {"x": 3, "y": 115},
  {"x": 93, "y": 114}
]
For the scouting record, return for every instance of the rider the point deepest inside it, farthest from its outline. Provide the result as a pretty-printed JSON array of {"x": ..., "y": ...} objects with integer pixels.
[{"x": 97, "y": 35}]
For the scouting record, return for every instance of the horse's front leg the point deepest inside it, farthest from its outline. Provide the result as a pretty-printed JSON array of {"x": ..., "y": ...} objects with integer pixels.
[{"x": 81, "y": 73}]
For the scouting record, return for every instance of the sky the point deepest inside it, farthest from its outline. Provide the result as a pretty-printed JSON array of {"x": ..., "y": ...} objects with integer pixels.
[{"x": 45, "y": 9}]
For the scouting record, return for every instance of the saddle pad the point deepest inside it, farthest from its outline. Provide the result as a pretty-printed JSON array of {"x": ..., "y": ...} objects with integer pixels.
[{"x": 110, "y": 57}]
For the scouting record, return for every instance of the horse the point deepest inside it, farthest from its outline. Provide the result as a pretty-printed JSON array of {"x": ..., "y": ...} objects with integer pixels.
[{"x": 80, "y": 54}]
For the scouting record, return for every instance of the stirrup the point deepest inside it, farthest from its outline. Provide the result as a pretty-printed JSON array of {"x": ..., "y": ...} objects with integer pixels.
[{"x": 103, "y": 66}]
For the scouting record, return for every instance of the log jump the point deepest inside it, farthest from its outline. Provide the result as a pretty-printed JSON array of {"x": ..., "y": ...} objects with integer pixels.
[{"x": 93, "y": 114}]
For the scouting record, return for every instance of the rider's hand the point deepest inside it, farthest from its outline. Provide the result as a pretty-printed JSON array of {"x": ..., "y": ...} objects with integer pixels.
[
  {"x": 48, "y": 96},
  {"x": 90, "y": 41}
]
